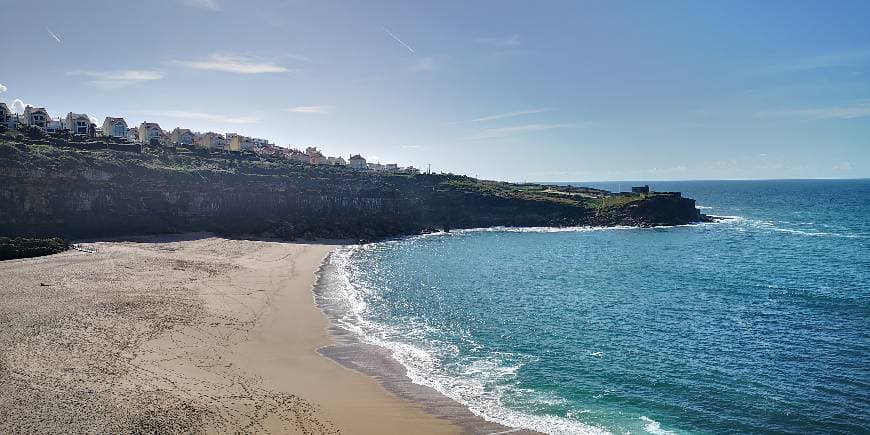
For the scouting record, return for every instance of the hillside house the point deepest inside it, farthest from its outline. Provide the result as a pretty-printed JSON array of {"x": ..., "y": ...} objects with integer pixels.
[
  {"x": 5, "y": 115},
  {"x": 315, "y": 157},
  {"x": 356, "y": 161},
  {"x": 213, "y": 141},
  {"x": 149, "y": 131},
  {"x": 54, "y": 125},
  {"x": 298, "y": 156},
  {"x": 182, "y": 137},
  {"x": 133, "y": 134},
  {"x": 336, "y": 161},
  {"x": 77, "y": 123},
  {"x": 238, "y": 142},
  {"x": 35, "y": 117},
  {"x": 115, "y": 127}
]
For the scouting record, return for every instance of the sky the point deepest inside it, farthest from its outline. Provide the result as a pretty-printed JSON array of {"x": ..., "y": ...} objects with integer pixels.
[{"x": 506, "y": 90}]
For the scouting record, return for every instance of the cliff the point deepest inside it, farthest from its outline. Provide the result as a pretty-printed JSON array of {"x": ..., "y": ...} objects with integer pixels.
[{"x": 50, "y": 190}]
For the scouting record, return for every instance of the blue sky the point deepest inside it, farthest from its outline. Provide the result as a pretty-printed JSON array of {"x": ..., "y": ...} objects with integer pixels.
[{"x": 520, "y": 91}]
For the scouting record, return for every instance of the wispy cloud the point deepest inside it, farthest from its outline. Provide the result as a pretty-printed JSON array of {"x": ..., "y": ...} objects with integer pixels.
[
  {"x": 2, "y": 88},
  {"x": 411, "y": 147},
  {"x": 423, "y": 65},
  {"x": 234, "y": 64},
  {"x": 120, "y": 78},
  {"x": 53, "y": 35},
  {"x": 856, "y": 110},
  {"x": 396, "y": 38},
  {"x": 320, "y": 110},
  {"x": 501, "y": 42},
  {"x": 209, "y": 5},
  {"x": 822, "y": 61},
  {"x": 494, "y": 133},
  {"x": 199, "y": 116},
  {"x": 504, "y": 115}
]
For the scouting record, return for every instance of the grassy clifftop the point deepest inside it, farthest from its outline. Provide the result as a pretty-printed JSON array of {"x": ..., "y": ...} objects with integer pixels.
[{"x": 52, "y": 187}]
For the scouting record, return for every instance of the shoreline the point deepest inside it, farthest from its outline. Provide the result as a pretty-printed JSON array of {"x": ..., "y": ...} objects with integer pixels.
[
  {"x": 184, "y": 332},
  {"x": 376, "y": 362}
]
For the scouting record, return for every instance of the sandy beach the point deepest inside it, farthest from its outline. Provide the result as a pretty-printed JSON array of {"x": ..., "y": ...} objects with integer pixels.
[{"x": 181, "y": 334}]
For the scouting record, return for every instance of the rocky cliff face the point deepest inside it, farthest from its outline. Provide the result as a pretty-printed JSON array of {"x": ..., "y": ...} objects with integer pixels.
[{"x": 49, "y": 191}]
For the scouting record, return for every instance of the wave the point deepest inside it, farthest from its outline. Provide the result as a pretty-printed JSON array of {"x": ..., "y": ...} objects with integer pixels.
[
  {"x": 767, "y": 225},
  {"x": 655, "y": 427},
  {"x": 480, "y": 383}
]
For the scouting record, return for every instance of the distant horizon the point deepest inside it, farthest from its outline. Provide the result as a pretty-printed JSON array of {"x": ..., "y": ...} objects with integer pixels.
[
  {"x": 706, "y": 179},
  {"x": 498, "y": 89}
]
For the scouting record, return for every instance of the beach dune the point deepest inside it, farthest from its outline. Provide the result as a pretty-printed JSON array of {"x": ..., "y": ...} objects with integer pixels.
[{"x": 181, "y": 334}]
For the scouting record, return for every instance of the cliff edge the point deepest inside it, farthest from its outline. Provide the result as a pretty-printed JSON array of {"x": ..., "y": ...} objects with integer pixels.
[{"x": 50, "y": 190}]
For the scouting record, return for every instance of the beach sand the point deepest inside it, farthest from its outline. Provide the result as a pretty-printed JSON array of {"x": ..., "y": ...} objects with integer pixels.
[{"x": 181, "y": 334}]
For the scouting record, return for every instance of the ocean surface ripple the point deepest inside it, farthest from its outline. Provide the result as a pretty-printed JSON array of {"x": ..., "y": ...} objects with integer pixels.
[{"x": 757, "y": 324}]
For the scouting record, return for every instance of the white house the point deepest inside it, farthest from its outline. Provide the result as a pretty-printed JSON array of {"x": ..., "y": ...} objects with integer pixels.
[
  {"x": 77, "y": 123},
  {"x": 54, "y": 125},
  {"x": 35, "y": 117},
  {"x": 357, "y": 162},
  {"x": 115, "y": 127},
  {"x": 148, "y": 131}
]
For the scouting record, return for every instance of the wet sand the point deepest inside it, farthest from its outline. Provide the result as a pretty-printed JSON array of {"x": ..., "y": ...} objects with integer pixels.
[{"x": 183, "y": 334}]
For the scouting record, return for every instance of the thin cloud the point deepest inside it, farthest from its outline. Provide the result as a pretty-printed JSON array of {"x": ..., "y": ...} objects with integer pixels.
[
  {"x": 423, "y": 65},
  {"x": 396, "y": 38},
  {"x": 199, "y": 116},
  {"x": 504, "y": 115},
  {"x": 857, "y": 110},
  {"x": 2, "y": 88},
  {"x": 823, "y": 61},
  {"x": 310, "y": 109},
  {"x": 120, "y": 78},
  {"x": 411, "y": 147},
  {"x": 209, "y": 5},
  {"x": 494, "y": 133},
  {"x": 501, "y": 42},
  {"x": 53, "y": 35},
  {"x": 234, "y": 64}
]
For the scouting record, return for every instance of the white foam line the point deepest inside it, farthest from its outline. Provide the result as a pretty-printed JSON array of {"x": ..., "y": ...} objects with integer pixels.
[{"x": 421, "y": 365}]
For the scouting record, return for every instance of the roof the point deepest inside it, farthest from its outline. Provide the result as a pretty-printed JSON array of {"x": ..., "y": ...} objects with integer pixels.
[
  {"x": 150, "y": 125},
  {"x": 356, "y": 157},
  {"x": 77, "y": 115},
  {"x": 114, "y": 120}
]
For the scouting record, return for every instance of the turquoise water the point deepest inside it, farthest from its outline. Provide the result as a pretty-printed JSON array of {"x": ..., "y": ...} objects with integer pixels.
[{"x": 760, "y": 324}]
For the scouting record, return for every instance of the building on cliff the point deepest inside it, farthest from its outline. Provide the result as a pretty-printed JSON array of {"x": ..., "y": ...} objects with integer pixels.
[
  {"x": 6, "y": 117},
  {"x": 181, "y": 137},
  {"x": 149, "y": 132},
  {"x": 77, "y": 123},
  {"x": 213, "y": 141},
  {"x": 35, "y": 117},
  {"x": 115, "y": 127},
  {"x": 357, "y": 161}
]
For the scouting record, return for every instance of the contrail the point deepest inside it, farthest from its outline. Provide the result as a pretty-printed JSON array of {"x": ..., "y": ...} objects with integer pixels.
[
  {"x": 53, "y": 35},
  {"x": 399, "y": 40}
]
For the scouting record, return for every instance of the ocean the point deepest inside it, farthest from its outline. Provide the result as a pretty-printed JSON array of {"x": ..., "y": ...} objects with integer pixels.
[{"x": 757, "y": 324}]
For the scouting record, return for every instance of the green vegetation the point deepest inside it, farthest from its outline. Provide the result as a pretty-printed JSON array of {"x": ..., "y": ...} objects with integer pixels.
[{"x": 20, "y": 247}]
